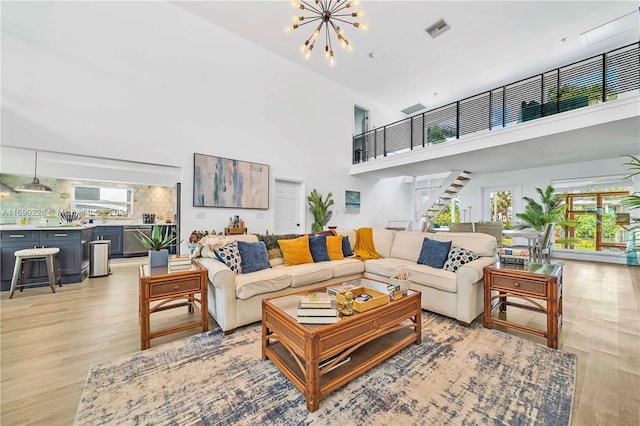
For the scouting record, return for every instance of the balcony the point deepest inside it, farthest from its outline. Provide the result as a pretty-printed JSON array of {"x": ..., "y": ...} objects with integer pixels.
[{"x": 606, "y": 85}]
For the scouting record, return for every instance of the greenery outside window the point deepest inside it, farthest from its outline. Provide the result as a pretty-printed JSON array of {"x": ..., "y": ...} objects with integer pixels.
[
  {"x": 593, "y": 216},
  {"x": 94, "y": 199}
]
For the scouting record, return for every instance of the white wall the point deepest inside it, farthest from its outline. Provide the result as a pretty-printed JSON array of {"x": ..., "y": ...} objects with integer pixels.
[{"x": 149, "y": 82}]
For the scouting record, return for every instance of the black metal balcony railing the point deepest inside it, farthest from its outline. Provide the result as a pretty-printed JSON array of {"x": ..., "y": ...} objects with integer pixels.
[{"x": 588, "y": 82}]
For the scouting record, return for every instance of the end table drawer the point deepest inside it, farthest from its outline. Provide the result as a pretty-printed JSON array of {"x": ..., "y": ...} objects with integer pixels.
[
  {"x": 536, "y": 287},
  {"x": 175, "y": 286}
]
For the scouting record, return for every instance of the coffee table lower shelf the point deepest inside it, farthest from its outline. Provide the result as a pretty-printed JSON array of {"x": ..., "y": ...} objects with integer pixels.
[{"x": 362, "y": 360}]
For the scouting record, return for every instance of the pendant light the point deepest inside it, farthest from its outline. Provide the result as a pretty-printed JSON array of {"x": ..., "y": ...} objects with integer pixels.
[{"x": 35, "y": 185}]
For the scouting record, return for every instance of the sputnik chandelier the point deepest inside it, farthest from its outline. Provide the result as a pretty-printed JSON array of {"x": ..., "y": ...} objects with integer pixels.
[{"x": 328, "y": 14}]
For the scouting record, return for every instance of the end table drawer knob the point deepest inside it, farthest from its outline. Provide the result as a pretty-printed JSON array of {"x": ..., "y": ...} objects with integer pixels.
[
  {"x": 178, "y": 287},
  {"x": 516, "y": 284}
]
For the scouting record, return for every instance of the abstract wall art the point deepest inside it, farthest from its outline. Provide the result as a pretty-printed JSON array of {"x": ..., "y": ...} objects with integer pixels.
[{"x": 223, "y": 182}]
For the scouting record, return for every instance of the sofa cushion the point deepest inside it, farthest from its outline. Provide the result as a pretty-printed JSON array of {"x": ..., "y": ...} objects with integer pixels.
[
  {"x": 271, "y": 241},
  {"x": 349, "y": 266},
  {"x": 432, "y": 277},
  {"x": 347, "y": 251},
  {"x": 458, "y": 257},
  {"x": 318, "y": 248},
  {"x": 383, "y": 240},
  {"x": 230, "y": 256},
  {"x": 296, "y": 251},
  {"x": 386, "y": 267},
  {"x": 407, "y": 244},
  {"x": 261, "y": 282},
  {"x": 481, "y": 244},
  {"x": 307, "y": 273},
  {"x": 334, "y": 247},
  {"x": 254, "y": 256},
  {"x": 434, "y": 253}
]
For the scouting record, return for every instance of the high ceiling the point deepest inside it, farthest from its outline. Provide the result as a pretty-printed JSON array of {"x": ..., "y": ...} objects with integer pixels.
[{"x": 490, "y": 43}]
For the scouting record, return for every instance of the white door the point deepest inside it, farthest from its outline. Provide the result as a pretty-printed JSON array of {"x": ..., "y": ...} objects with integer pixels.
[{"x": 289, "y": 208}]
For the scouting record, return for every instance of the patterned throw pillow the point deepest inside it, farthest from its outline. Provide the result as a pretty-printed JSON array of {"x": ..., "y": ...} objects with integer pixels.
[
  {"x": 458, "y": 257},
  {"x": 230, "y": 256},
  {"x": 271, "y": 241}
]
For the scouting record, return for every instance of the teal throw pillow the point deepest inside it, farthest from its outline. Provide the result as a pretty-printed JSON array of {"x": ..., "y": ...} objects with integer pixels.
[
  {"x": 254, "y": 256},
  {"x": 230, "y": 256},
  {"x": 318, "y": 247},
  {"x": 434, "y": 253}
]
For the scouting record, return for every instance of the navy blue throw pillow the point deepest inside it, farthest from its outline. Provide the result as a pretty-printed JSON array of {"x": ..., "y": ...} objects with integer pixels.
[
  {"x": 433, "y": 253},
  {"x": 346, "y": 247},
  {"x": 254, "y": 256},
  {"x": 318, "y": 248}
]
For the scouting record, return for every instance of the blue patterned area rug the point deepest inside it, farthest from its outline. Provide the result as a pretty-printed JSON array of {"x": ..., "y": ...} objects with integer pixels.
[{"x": 457, "y": 375}]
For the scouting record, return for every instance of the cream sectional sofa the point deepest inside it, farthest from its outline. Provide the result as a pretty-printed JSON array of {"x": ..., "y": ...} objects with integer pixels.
[{"x": 236, "y": 300}]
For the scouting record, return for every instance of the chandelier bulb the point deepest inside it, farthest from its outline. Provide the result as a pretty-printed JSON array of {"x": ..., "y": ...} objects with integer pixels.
[
  {"x": 298, "y": 18},
  {"x": 358, "y": 14},
  {"x": 331, "y": 60},
  {"x": 316, "y": 33},
  {"x": 326, "y": 51},
  {"x": 291, "y": 28},
  {"x": 363, "y": 27},
  {"x": 297, "y": 5}
]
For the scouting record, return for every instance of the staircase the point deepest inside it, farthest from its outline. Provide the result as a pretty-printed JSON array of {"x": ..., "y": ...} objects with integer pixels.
[{"x": 430, "y": 201}]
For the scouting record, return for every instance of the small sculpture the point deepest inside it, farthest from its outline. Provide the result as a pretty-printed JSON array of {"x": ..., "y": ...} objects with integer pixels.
[{"x": 347, "y": 306}]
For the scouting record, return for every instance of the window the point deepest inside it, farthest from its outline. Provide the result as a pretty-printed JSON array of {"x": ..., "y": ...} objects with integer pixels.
[{"x": 92, "y": 199}]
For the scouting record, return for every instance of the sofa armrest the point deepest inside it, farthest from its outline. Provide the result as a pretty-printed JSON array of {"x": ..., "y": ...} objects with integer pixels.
[
  {"x": 470, "y": 301},
  {"x": 222, "y": 292}
]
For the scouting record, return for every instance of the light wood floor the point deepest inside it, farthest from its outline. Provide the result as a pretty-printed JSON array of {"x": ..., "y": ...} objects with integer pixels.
[{"x": 49, "y": 341}]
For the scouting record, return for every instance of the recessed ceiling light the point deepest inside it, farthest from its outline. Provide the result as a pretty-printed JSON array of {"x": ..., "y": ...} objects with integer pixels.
[
  {"x": 438, "y": 28},
  {"x": 413, "y": 108}
]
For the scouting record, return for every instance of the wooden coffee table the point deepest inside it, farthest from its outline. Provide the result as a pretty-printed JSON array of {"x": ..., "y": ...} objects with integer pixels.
[{"x": 367, "y": 338}]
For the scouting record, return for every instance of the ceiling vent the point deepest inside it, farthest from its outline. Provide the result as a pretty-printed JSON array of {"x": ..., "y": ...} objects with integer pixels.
[
  {"x": 413, "y": 108},
  {"x": 438, "y": 28}
]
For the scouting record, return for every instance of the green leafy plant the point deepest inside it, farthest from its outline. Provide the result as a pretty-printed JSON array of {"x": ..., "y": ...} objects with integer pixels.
[
  {"x": 536, "y": 215},
  {"x": 159, "y": 239},
  {"x": 319, "y": 208}
]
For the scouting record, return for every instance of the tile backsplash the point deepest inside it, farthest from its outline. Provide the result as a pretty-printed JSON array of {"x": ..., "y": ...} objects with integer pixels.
[{"x": 14, "y": 206}]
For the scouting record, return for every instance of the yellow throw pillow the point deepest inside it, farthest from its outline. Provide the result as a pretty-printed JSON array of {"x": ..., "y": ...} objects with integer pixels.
[
  {"x": 296, "y": 251},
  {"x": 334, "y": 247}
]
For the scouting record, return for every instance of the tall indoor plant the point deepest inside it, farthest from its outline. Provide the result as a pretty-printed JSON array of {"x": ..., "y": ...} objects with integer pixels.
[
  {"x": 537, "y": 215},
  {"x": 319, "y": 208},
  {"x": 157, "y": 244}
]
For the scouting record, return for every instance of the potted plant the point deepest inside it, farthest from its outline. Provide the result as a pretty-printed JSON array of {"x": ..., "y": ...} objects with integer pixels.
[
  {"x": 157, "y": 244},
  {"x": 537, "y": 215},
  {"x": 319, "y": 208}
]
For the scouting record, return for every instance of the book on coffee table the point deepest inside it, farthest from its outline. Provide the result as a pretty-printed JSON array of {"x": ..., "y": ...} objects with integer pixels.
[
  {"x": 318, "y": 312},
  {"x": 317, "y": 320},
  {"x": 316, "y": 300}
]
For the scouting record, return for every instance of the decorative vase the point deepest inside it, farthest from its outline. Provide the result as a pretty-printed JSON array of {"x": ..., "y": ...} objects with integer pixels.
[
  {"x": 158, "y": 258},
  {"x": 403, "y": 284}
]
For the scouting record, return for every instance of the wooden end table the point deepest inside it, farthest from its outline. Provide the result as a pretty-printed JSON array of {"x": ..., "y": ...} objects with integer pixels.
[
  {"x": 162, "y": 288},
  {"x": 535, "y": 283},
  {"x": 367, "y": 338}
]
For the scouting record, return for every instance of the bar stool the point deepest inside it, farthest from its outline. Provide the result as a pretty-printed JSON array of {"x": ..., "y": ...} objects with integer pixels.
[{"x": 24, "y": 260}]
